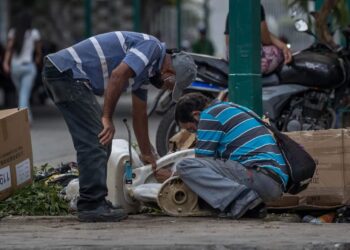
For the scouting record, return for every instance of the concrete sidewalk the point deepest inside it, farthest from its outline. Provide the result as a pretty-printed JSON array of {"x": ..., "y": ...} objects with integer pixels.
[{"x": 162, "y": 232}]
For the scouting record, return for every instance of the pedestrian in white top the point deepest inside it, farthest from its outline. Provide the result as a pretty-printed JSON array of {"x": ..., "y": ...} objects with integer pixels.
[{"x": 23, "y": 41}]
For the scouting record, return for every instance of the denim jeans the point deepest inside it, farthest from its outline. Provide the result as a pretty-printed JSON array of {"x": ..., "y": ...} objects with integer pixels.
[
  {"x": 82, "y": 114},
  {"x": 23, "y": 76},
  {"x": 220, "y": 183}
]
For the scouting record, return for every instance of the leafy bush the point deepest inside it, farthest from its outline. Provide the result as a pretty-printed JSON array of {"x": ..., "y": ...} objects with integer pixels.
[{"x": 35, "y": 199}]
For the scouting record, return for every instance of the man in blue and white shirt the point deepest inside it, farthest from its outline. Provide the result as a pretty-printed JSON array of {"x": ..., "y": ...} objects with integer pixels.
[
  {"x": 108, "y": 64},
  {"x": 238, "y": 164}
]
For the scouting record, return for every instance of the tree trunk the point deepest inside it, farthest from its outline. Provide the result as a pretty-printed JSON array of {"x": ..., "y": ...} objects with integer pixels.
[{"x": 322, "y": 29}]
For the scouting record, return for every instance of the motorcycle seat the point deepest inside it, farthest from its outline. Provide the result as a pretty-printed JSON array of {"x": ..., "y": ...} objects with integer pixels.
[
  {"x": 219, "y": 64},
  {"x": 270, "y": 80}
]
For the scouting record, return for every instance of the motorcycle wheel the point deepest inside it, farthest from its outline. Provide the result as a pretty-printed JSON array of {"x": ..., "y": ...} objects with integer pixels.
[{"x": 166, "y": 129}]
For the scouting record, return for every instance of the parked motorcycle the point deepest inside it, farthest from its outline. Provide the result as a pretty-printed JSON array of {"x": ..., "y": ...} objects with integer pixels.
[{"x": 311, "y": 93}]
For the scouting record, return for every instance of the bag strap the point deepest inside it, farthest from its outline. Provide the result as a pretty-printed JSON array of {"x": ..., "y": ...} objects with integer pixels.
[
  {"x": 275, "y": 132},
  {"x": 252, "y": 114}
]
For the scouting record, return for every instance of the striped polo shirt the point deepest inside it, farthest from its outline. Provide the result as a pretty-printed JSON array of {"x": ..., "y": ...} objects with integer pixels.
[
  {"x": 96, "y": 57},
  {"x": 226, "y": 132}
]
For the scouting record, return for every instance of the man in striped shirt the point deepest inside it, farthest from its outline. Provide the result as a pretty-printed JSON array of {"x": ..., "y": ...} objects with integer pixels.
[
  {"x": 108, "y": 64},
  {"x": 238, "y": 164}
]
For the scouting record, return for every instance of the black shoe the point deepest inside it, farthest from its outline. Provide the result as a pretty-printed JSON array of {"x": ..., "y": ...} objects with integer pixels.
[
  {"x": 255, "y": 209},
  {"x": 239, "y": 213},
  {"x": 259, "y": 212},
  {"x": 110, "y": 205},
  {"x": 246, "y": 201},
  {"x": 103, "y": 213}
]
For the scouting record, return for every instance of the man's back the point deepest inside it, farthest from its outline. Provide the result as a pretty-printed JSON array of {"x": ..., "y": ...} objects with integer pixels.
[
  {"x": 95, "y": 58},
  {"x": 227, "y": 132}
]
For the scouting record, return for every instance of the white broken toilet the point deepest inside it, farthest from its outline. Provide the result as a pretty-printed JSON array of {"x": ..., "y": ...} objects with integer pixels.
[{"x": 172, "y": 196}]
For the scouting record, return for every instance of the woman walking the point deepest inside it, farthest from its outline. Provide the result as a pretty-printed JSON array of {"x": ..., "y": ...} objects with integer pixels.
[{"x": 23, "y": 43}]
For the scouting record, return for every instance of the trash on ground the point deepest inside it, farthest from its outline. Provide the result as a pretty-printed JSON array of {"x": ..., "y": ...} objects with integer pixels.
[{"x": 45, "y": 195}]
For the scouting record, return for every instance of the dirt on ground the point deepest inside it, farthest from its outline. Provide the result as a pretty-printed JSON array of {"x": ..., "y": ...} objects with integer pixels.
[{"x": 163, "y": 232}]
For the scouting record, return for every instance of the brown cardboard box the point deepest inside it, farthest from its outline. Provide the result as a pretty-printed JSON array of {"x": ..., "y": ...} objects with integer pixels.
[
  {"x": 328, "y": 184},
  {"x": 16, "y": 158},
  {"x": 347, "y": 165}
]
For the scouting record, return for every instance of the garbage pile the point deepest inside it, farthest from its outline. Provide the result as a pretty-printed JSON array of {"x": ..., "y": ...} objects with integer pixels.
[
  {"x": 45, "y": 196},
  {"x": 61, "y": 175},
  {"x": 340, "y": 215},
  {"x": 66, "y": 177}
]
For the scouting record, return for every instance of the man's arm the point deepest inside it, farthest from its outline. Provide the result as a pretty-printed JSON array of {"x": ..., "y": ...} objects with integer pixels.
[
  {"x": 286, "y": 51},
  {"x": 140, "y": 124},
  {"x": 267, "y": 38},
  {"x": 265, "y": 34},
  {"x": 117, "y": 82},
  {"x": 209, "y": 135}
]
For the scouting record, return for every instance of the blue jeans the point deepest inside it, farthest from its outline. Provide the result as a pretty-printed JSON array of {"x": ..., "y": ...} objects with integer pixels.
[
  {"x": 220, "y": 183},
  {"x": 23, "y": 76},
  {"x": 82, "y": 114}
]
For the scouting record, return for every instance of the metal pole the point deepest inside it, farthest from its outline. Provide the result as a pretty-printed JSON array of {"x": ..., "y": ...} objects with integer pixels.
[
  {"x": 206, "y": 15},
  {"x": 179, "y": 23},
  {"x": 137, "y": 15},
  {"x": 88, "y": 10},
  {"x": 245, "y": 49},
  {"x": 318, "y": 4}
]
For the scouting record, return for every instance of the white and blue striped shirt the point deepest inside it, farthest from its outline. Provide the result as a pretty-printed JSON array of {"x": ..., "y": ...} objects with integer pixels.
[{"x": 95, "y": 58}]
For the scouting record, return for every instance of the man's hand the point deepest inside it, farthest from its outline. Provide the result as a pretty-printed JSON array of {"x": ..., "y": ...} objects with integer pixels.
[
  {"x": 107, "y": 133},
  {"x": 161, "y": 174},
  {"x": 287, "y": 54},
  {"x": 149, "y": 159}
]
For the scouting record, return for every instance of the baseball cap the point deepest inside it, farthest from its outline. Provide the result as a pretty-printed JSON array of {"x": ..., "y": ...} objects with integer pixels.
[{"x": 185, "y": 70}]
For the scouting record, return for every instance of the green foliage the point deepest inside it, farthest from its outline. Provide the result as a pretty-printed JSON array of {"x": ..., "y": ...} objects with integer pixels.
[
  {"x": 341, "y": 13},
  {"x": 37, "y": 199},
  {"x": 34, "y": 200}
]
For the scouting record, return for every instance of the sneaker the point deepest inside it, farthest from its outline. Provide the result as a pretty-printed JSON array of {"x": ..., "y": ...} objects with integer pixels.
[
  {"x": 110, "y": 205},
  {"x": 103, "y": 213},
  {"x": 246, "y": 201},
  {"x": 239, "y": 213},
  {"x": 259, "y": 212}
]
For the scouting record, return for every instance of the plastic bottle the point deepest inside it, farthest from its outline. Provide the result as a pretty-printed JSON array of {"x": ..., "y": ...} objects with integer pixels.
[{"x": 311, "y": 219}]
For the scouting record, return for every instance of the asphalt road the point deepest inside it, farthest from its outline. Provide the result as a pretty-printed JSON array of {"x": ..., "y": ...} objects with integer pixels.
[{"x": 51, "y": 141}]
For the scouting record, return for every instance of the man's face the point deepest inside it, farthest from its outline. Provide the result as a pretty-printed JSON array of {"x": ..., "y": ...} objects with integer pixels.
[
  {"x": 193, "y": 125},
  {"x": 189, "y": 126},
  {"x": 167, "y": 74},
  {"x": 168, "y": 80}
]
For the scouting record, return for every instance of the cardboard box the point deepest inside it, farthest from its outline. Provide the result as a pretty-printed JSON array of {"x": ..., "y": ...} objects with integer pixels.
[
  {"x": 330, "y": 185},
  {"x": 347, "y": 165},
  {"x": 16, "y": 157}
]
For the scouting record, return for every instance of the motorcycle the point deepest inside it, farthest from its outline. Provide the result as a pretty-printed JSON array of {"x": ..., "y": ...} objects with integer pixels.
[{"x": 311, "y": 93}]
